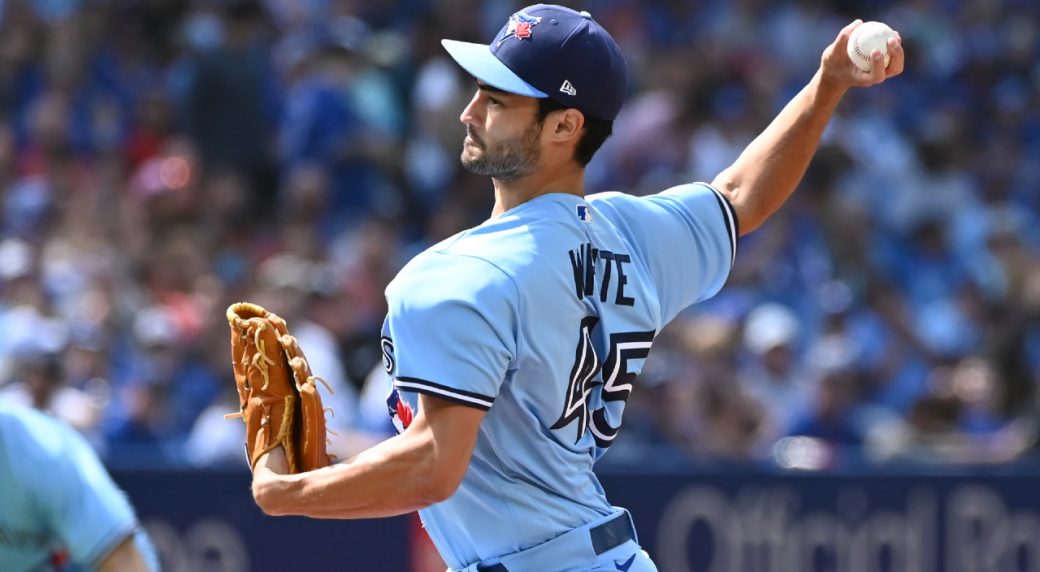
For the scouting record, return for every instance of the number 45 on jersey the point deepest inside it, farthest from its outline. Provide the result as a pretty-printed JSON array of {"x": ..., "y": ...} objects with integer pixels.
[{"x": 611, "y": 376}]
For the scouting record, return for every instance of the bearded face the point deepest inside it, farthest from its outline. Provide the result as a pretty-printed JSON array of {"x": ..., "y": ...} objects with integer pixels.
[{"x": 504, "y": 159}]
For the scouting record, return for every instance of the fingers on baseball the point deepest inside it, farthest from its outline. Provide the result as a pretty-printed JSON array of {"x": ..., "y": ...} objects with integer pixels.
[
  {"x": 845, "y": 34},
  {"x": 847, "y": 30},
  {"x": 876, "y": 73},
  {"x": 896, "y": 55},
  {"x": 877, "y": 66}
]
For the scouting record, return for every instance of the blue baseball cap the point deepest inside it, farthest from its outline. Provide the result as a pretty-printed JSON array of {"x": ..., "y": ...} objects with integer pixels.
[{"x": 551, "y": 51}]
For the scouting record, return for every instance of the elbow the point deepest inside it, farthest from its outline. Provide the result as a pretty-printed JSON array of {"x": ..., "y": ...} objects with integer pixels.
[
  {"x": 440, "y": 481},
  {"x": 439, "y": 488},
  {"x": 436, "y": 472},
  {"x": 444, "y": 489}
]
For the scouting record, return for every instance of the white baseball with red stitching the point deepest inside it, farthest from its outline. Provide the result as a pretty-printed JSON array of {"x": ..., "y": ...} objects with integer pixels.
[{"x": 866, "y": 38}]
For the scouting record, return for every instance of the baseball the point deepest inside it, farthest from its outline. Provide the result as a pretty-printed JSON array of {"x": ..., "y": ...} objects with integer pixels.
[{"x": 866, "y": 38}]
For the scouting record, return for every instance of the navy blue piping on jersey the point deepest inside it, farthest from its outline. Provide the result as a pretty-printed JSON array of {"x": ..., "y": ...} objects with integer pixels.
[
  {"x": 460, "y": 396},
  {"x": 729, "y": 215}
]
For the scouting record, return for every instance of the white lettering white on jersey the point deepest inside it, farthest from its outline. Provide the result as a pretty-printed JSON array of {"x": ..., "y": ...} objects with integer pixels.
[
  {"x": 583, "y": 402},
  {"x": 610, "y": 387},
  {"x": 600, "y": 434}
]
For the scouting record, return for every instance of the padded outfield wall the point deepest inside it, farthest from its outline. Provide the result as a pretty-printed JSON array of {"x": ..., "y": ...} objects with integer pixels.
[{"x": 716, "y": 522}]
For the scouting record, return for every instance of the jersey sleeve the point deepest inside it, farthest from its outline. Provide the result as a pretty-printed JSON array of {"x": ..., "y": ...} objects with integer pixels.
[
  {"x": 453, "y": 324},
  {"x": 84, "y": 507},
  {"x": 687, "y": 236}
]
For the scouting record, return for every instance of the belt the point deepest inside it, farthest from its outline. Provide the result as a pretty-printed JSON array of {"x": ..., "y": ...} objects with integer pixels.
[{"x": 606, "y": 536}]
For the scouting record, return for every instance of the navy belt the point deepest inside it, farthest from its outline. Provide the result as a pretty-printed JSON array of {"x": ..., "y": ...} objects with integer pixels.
[{"x": 606, "y": 536}]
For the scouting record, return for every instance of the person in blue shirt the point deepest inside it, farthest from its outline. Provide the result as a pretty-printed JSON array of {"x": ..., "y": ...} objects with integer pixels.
[
  {"x": 59, "y": 509},
  {"x": 513, "y": 346}
]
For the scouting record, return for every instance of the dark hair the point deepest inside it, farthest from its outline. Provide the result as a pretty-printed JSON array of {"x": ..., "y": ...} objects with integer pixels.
[{"x": 596, "y": 130}]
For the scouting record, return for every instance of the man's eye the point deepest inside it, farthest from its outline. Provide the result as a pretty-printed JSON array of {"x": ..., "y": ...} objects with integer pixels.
[{"x": 494, "y": 101}]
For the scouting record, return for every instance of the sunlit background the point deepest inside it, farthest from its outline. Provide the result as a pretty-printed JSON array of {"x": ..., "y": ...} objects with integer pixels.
[{"x": 160, "y": 160}]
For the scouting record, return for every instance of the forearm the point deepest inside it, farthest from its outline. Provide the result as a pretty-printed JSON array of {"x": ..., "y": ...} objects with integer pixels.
[
  {"x": 769, "y": 170},
  {"x": 394, "y": 477}
]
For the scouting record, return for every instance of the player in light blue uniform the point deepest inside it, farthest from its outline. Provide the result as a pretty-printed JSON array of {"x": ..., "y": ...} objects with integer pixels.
[
  {"x": 514, "y": 346},
  {"x": 543, "y": 316},
  {"x": 59, "y": 509}
]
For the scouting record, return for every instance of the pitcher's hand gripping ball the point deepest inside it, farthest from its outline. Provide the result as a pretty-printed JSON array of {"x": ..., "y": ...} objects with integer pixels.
[
  {"x": 278, "y": 399},
  {"x": 866, "y": 38}
]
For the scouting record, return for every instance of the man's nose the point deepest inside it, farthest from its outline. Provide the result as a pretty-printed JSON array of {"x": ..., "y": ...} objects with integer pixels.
[{"x": 469, "y": 115}]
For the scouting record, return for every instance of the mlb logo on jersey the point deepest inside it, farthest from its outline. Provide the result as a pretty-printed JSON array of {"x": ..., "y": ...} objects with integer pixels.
[
  {"x": 584, "y": 214},
  {"x": 519, "y": 27}
]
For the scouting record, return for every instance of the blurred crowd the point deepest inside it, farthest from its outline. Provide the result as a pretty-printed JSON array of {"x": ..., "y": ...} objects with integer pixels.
[{"x": 162, "y": 159}]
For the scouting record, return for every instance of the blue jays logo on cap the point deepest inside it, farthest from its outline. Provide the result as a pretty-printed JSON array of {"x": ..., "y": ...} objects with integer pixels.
[{"x": 519, "y": 26}]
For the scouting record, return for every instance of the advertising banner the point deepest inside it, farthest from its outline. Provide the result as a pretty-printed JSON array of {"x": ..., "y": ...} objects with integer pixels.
[{"x": 688, "y": 523}]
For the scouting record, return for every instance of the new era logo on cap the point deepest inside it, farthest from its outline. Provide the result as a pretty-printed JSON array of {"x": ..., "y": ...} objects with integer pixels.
[{"x": 568, "y": 88}]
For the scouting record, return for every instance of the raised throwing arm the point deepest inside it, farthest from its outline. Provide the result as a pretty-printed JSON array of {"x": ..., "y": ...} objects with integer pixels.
[{"x": 770, "y": 168}]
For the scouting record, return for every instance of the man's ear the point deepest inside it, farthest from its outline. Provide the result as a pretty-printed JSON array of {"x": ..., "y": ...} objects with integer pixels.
[{"x": 567, "y": 124}]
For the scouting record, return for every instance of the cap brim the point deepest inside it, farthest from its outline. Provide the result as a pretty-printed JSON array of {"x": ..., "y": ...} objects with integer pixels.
[{"x": 480, "y": 63}]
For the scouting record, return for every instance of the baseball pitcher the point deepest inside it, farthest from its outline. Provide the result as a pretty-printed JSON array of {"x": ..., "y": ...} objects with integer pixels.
[{"x": 513, "y": 347}]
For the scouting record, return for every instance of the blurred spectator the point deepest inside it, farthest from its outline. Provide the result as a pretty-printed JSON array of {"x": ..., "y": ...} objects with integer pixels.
[
  {"x": 232, "y": 101},
  {"x": 213, "y": 440},
  {"x": 830, "y": 417},
  {"x": 694, "y": 397},
  {"x": 161, "y": 160},
  {"x": 39, "y": 382},
  {"x": 774, "y": 376}
]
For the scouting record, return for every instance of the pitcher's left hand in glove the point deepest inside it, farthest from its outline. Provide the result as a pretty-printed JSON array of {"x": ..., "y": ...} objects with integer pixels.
[{"x": 278, "y": 399}]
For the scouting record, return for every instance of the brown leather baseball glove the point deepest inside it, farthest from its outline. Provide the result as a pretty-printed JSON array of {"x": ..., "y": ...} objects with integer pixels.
[{"x": 278, "y": 399}]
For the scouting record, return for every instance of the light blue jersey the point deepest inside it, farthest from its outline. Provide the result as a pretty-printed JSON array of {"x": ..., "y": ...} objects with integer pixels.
[
  {"x": 543, "y": 317},
  {"x": 59, "y": 509}
]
